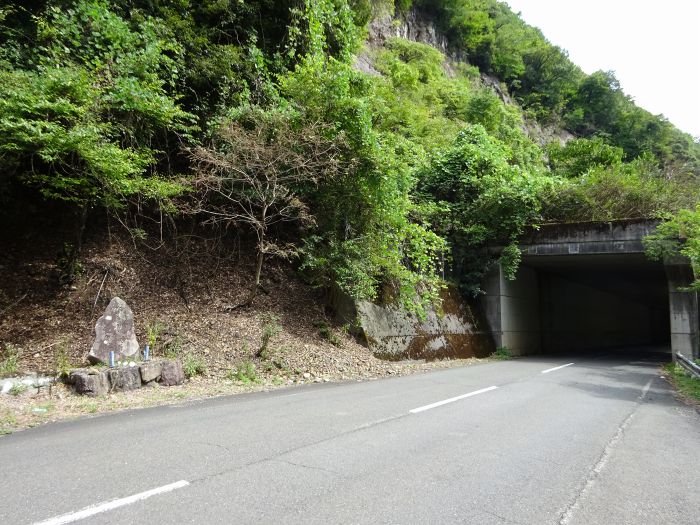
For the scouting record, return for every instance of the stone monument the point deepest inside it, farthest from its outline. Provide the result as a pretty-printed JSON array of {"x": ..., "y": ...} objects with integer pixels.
[{"x": 114, "y": 332}]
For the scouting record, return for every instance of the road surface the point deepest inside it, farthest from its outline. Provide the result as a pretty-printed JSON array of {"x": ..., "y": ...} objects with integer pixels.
[{"x": 586, "y": 440}]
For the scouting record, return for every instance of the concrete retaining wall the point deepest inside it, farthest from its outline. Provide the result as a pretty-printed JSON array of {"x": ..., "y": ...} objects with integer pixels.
[{"x": 453, "y": 331}]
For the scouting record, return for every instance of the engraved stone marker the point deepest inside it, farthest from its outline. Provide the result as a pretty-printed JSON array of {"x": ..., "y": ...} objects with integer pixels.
[{"x": 114, "y": 331}]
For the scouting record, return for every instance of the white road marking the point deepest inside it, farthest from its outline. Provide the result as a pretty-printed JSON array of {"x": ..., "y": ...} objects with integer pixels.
[
  {"x": 111, "y": 505},
  {"x": 556, "y": 368},
  {"x": 452, "y": 400}
]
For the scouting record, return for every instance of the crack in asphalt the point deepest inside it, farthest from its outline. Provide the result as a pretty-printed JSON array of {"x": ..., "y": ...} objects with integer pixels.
[
  {"x": 596, "y": 470},
  {"x": 276, "y": 457},
  {"x": 311, "y": 467},
  {"x": 502, "y": 518}
]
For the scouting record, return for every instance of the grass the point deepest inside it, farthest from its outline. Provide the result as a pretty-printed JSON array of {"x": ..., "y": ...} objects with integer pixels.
[
  {"x": 9, "y": 365},
  {"x": 502, "y": 353},
  {"x": 244, "y": 373},
  {"x": 8, "y": 422},
  {"x": 18, "y": 389},
  {"x": 63, "y": 364},
  {"x": 193, "y": 365},
  {"x": 687, "y": 385},
  {"x": 153, "y": 330},
  {"x": 173, "y": 348}
]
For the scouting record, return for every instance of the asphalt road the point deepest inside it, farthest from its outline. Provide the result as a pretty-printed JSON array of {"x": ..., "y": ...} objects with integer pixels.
[{"x": 601, "y": 441}]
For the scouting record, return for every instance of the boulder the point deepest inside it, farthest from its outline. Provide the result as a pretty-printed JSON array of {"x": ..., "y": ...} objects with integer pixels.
[
  {"x": 89, "y": 382},
  {"x": 150, "y": 371},
  {"x": 114, "y": 332},
  {"x": 172, "y": 373},
  {"x": 128, "y": 378}
]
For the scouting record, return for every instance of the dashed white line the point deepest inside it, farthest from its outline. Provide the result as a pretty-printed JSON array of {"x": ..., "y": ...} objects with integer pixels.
[
  {"x": 556, "y": 368},
  {"x": 111, "y": 505},
  {"x": 451, "y": 400}
]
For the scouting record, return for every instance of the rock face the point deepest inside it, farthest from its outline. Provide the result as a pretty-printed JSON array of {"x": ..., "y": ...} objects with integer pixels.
[
  {"x": 89, "y": 382},
  {"x": 114, "y": 332},
  {"x": 172, "y": 373}
]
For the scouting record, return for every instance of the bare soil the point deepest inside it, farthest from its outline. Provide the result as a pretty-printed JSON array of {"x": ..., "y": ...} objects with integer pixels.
[{"x": 186, "y": 292}]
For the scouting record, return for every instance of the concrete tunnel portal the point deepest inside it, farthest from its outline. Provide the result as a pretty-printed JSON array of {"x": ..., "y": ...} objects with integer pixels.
[{"x": 590, "y": 286}]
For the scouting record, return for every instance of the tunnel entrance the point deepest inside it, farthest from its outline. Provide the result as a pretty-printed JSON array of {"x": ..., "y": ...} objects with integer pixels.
[
  {"x": 599, "y": 301},
  {"x": 591, "y": 287}
]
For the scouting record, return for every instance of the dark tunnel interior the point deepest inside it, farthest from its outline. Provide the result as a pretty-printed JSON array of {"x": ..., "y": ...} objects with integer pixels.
[{"x": 594, "y": 302}]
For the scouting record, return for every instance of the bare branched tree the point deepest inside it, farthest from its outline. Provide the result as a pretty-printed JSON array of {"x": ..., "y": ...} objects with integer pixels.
[{"x": 252, "y": 174}]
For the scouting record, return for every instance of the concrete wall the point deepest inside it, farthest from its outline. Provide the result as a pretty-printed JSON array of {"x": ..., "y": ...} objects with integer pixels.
[
  {"x": 512, "y": 310},
  {"x": 617, "y": 237},
  {"x": 451, "y": 331},
  {"x": 685, "y": 325}
]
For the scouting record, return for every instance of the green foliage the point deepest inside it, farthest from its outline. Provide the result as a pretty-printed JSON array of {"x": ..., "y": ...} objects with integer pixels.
[
  {"x": 365, "y": 238},
  {"x": 429, "y": 167},
  {"x": 678, "y": 235},
  {"x": 62, "y": 361},
  {"x": 326, "y": 332},
  {"x": 193, "y": 365},
  {"x": 52, "y": 139},
  {"x": 18, "y": 389},
  {"x": 270, "y": 330},
  {"x": 78, "y": 118},
  {"x": 9, "y": 365},
  {"x": 244, "y": 372},
  {"x": 483, "y": 200},
  {"x": 638, "y": 189},
  {"x": 173, "y": 348},
  {"x": 553, "y": 89},
  {"x": 687, "y": 385},
  {"x": 502, "y": 353},
  {"x": 8, "y": 423},
  {"x": 579, "y": 156},
  {"x": 153, "y": 331}
]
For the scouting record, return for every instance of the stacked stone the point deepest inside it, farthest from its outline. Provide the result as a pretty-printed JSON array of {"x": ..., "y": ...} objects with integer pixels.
[{"x": 97, "y": 382}]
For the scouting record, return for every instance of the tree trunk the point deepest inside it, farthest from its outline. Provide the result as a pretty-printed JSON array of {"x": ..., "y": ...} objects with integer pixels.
[
  {"x": 69, "y": 268},
  {"x": 256, "y": 284},
  {"x": 258, "y": 269}
]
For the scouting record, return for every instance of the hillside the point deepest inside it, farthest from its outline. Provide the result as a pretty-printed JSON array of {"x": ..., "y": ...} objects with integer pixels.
[{"x": 220, "y": 165}]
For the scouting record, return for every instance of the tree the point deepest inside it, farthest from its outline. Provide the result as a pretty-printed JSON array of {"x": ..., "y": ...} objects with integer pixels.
[
  {"x": 254, "y": 171},
  {"x": 678, "y": 235},
  {"x": 481, "y": 200},
  {"x": 580, "y": 155}
]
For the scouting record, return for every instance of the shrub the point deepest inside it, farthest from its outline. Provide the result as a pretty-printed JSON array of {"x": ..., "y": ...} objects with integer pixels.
[
  {"x": 245, "y": 373},
  {"x": 270, "y": 329},
  {"x": 9, "y": 365},
  {"x": 327, "y": 333},
  {"x": 502, "y": 353},
  {"x": 193, "y": 366}
]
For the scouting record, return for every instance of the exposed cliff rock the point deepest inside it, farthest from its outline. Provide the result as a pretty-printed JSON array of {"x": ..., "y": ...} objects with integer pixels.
[{"x": 418, "y": 27}]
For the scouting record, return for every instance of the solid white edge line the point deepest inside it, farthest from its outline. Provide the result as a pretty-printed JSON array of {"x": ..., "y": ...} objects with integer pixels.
[
  {"x": 555, "y": 368},
  {"x": 111, "y": 505},
  {"x": 451, "y": 400}
]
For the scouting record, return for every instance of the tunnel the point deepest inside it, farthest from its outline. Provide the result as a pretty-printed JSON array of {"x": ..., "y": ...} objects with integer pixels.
[{"x": 591, "y": 288}]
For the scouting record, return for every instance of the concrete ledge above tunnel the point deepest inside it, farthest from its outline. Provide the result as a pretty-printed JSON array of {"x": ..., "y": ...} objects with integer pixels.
[{"x": 569, "y": 299}]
